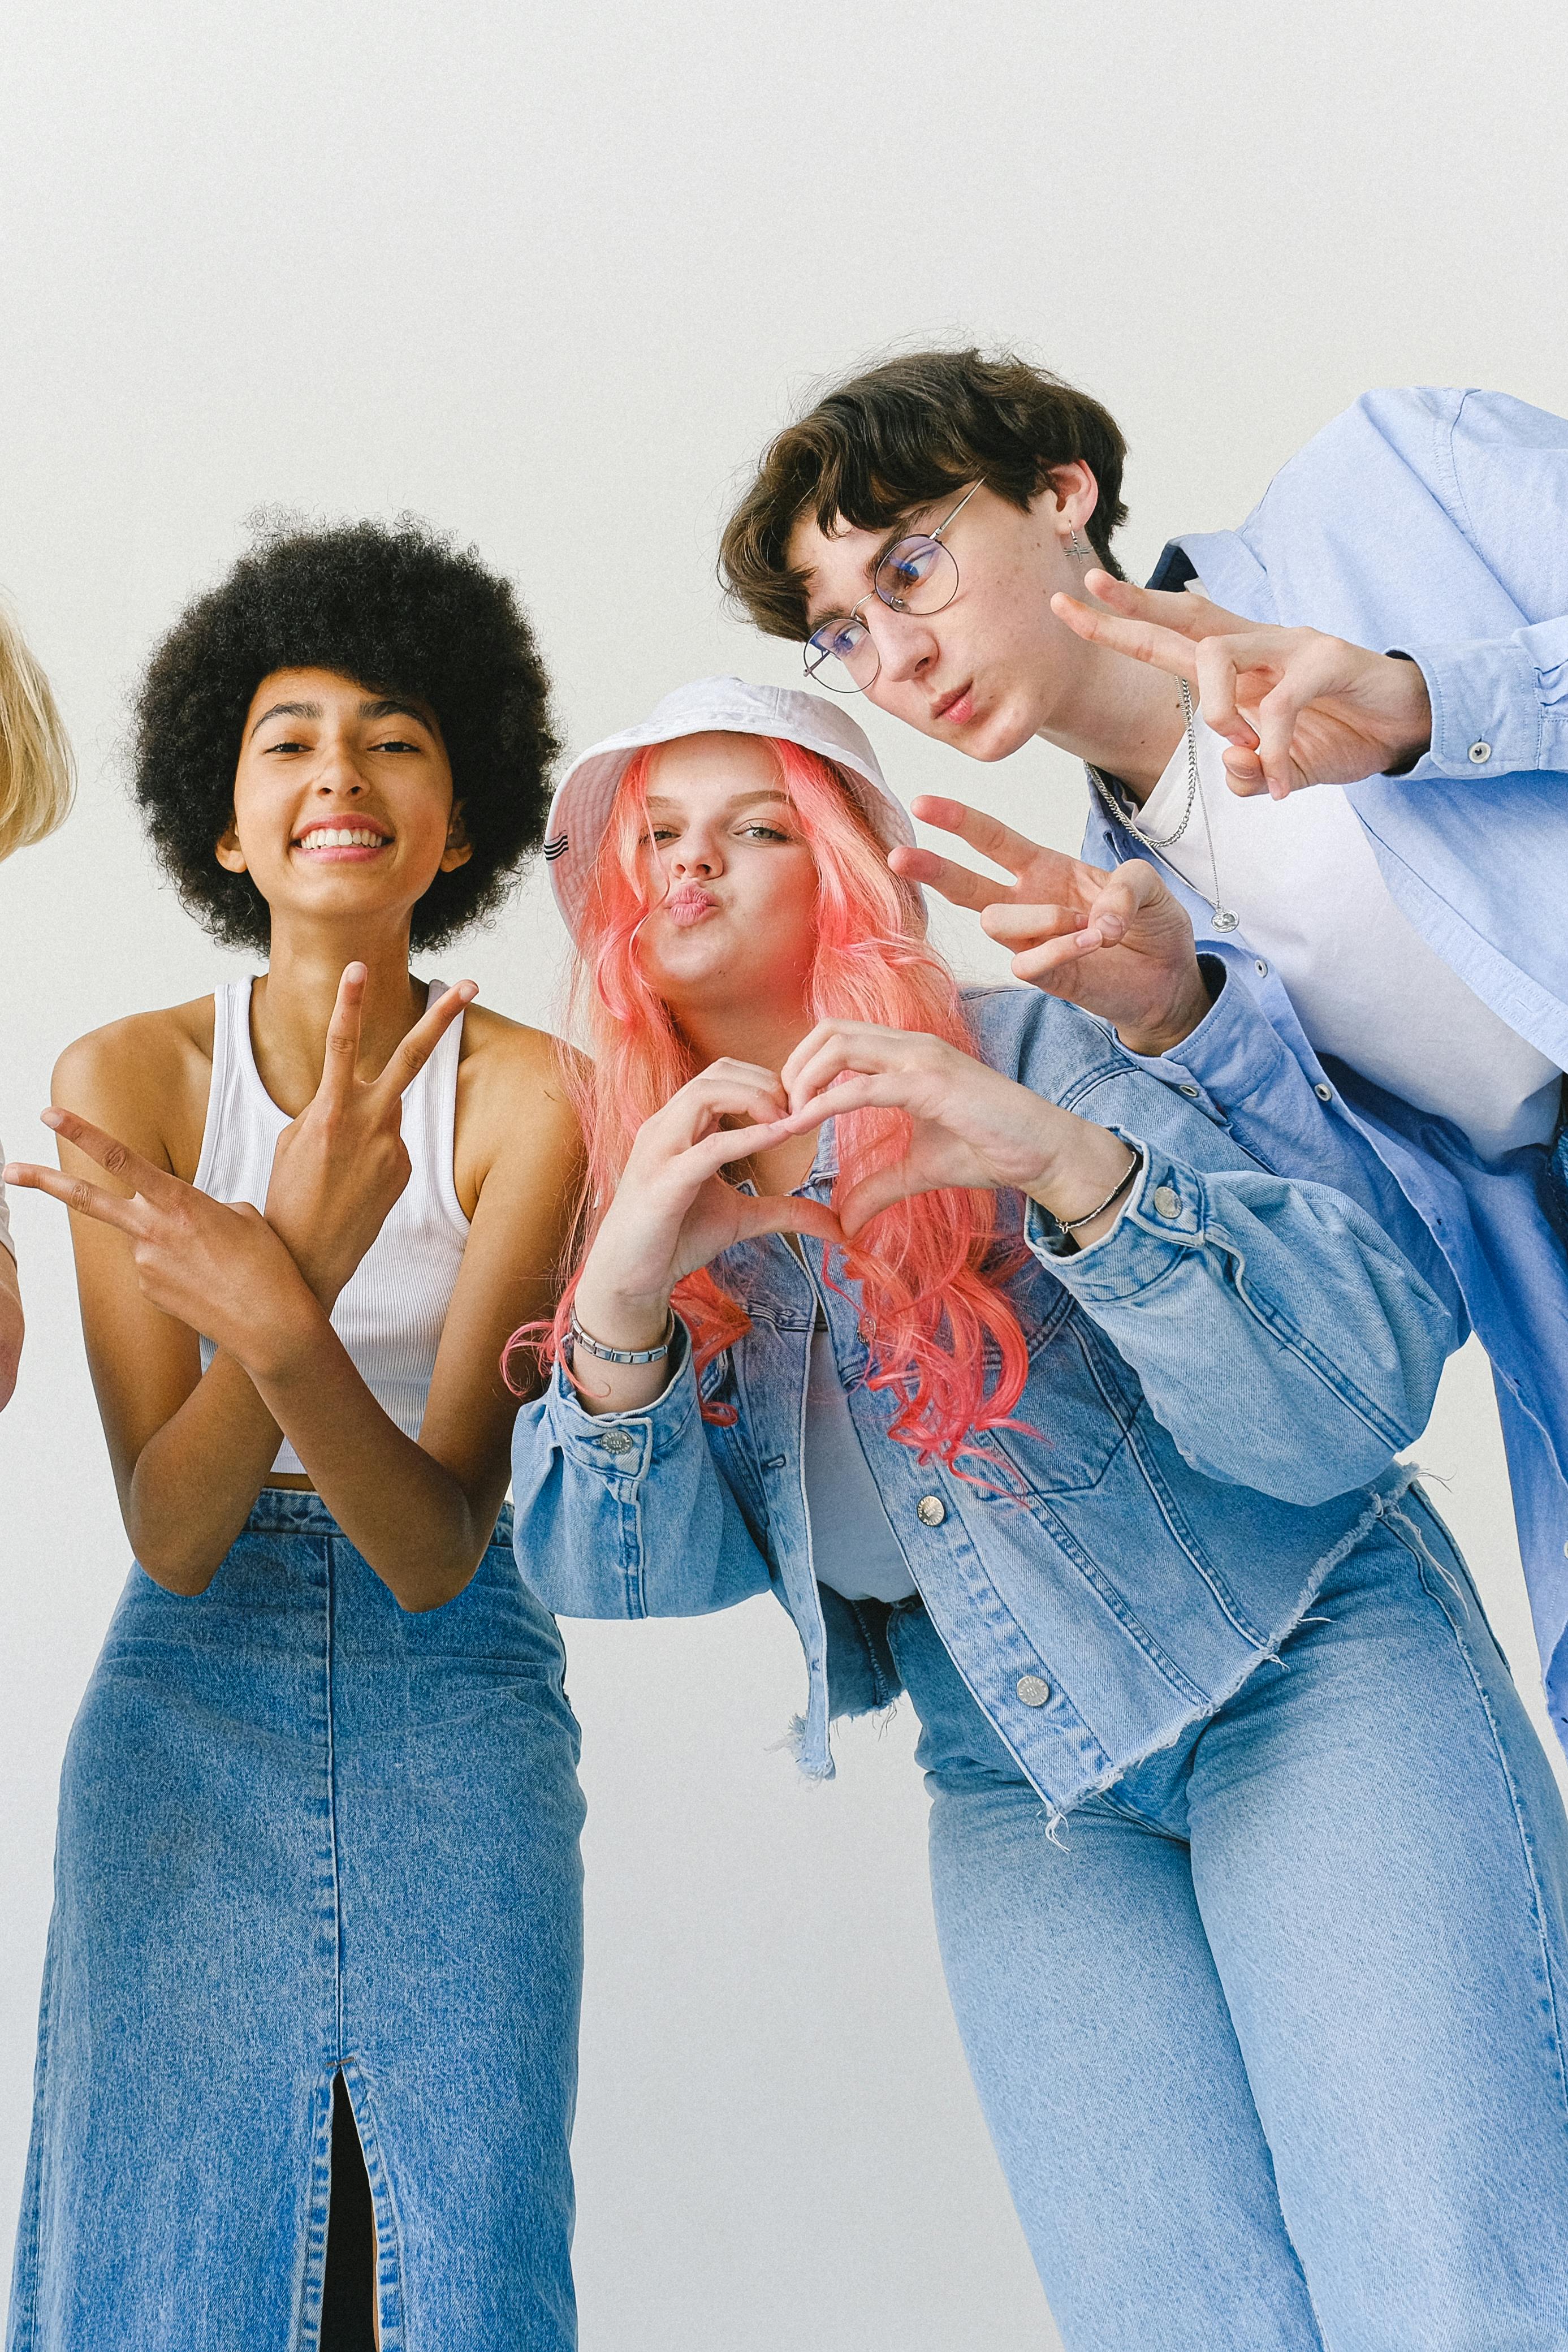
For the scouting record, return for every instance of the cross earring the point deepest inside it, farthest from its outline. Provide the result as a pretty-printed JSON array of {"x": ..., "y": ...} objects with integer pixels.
[{"x": 1076, "y": 547}]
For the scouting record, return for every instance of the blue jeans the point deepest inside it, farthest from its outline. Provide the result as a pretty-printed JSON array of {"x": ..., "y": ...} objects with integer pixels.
[
  {"x": 1270, "y": 2040},
  {"x": 302, "y": 1834}
]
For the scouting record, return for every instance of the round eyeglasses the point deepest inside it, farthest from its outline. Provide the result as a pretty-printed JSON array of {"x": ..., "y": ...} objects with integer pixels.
[{"x": 918, "y": 574}]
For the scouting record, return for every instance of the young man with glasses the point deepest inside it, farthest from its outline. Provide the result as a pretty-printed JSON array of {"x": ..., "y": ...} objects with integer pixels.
[{"x": 1394, "y": 946}]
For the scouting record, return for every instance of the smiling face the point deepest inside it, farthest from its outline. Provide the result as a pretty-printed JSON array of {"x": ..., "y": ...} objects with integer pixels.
[
  {"x": 995, "y": 665},
  {"x": 343, "y": 803},
  {"x": 732, "y": 879}
]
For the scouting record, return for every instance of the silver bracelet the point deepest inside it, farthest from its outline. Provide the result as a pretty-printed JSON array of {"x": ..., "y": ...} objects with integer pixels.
[
  {"x": 579, "y": 1338},
  {"x": 1070, "y": 1225}
]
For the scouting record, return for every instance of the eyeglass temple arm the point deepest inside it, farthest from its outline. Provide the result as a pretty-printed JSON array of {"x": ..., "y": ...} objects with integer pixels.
[{"x": 959, "y": 509}]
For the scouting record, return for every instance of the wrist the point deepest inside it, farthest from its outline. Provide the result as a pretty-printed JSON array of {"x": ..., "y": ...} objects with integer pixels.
[
  {"x": 1085, "y": 1189},
  {"x": 1410, "y": 731},
  {"x": 285, "y": 1342},
  {"x": 1161, "y": 1035},
  {"x": 622, "y": 1318}
]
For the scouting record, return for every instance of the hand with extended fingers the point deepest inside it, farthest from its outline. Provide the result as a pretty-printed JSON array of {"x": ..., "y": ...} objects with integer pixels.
[
  {"x": 672, "y": 1210},
  {"x": 243, "y": 1280},
  {"x": 1295, "y": 706},
  {"x": 222, "y": 1270},
  {"x": 972, "y": 1126},
  {"x": 340, "y": 1165},
  {"x": 1118, "y": 944}
]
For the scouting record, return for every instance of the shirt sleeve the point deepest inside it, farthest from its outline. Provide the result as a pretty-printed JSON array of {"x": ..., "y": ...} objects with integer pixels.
[
  {"x": 626, "y": 1514},
  {"x": 1238, "y": 1069},
  {"x": 1281, "y": 1338},
  {"x": 1501, "y": 705}
]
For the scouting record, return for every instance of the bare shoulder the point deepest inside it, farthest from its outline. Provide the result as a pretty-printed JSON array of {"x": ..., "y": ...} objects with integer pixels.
[
  {"x": 145, "y": 1078},
  {"x": 507, "y": 1056},
  {"x": 514, "y": 1102}
]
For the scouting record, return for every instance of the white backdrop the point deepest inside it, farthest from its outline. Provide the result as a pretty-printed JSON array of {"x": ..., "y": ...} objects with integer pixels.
[{"x": 548, "y": 278}]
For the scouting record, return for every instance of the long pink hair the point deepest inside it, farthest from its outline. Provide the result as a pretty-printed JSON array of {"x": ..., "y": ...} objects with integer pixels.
[{"x": 941, "y": 1332}]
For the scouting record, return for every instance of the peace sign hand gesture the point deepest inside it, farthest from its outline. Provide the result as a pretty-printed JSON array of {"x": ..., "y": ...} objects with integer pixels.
[
  {"x": 1295, "y": 706},
  {"x": 1119, "y": 944},
  {"x": 220, "y": 1269},
  {"x": 340, "y": 1166}
]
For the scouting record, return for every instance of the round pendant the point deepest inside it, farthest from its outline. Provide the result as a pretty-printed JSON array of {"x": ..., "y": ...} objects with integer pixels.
[{"x": 1224, "y": 920}]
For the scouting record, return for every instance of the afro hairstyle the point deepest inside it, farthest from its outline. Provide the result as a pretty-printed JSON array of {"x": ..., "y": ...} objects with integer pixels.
[{"x": 402, "y": 612}]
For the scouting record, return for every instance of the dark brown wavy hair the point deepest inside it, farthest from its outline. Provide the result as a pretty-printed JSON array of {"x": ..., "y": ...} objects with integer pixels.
[{"x": 898, "y": 437}]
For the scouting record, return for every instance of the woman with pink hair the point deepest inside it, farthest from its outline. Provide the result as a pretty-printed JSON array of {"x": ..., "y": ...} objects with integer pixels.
[{"x": 1031, "y": 1392}]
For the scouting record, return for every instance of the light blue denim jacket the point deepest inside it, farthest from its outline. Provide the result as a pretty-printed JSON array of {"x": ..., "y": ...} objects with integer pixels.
[
  {"x": 1216, "y": 1391},
  {"x": 1433, "y": 522}
]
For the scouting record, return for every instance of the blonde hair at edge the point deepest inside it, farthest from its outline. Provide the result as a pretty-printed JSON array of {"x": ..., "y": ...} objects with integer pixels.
[{"x": 37, "y": 773}]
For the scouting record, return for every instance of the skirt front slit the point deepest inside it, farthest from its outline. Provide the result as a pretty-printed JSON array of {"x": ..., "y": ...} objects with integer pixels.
[{"x": 302, "y": 1833}]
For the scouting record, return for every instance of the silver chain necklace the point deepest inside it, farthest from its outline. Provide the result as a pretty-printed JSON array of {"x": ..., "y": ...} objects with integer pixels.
[{"x": 1223, "y": 918}]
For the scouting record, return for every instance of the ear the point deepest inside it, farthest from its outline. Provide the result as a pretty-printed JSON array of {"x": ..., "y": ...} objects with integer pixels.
[
  {"x": 459, "y": 849},
  {"x": 1068, "y": 497},
  {"x": 229, "y": 854}
]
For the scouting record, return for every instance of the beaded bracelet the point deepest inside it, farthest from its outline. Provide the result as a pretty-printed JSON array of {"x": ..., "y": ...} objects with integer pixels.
[{"x": 579, "y": 1338}]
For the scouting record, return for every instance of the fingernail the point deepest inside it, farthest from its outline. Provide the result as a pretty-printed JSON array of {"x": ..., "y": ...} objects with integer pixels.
[{"x": 53, "y": 1118}]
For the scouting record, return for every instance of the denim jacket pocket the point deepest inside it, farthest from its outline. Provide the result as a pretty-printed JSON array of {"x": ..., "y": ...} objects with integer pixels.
[{"x": 1094, "y": 1398}]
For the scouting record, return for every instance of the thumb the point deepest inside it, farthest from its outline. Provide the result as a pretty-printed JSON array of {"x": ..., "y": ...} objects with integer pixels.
[
  {"x": 786, "y": 1213},
  {"x": 1130, "y": 891},
  {"x": 879, "y": 1191}
]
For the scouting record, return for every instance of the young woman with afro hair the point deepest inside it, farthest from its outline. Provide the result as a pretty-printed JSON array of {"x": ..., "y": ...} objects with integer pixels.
[{"x": 307, "y": 2059}]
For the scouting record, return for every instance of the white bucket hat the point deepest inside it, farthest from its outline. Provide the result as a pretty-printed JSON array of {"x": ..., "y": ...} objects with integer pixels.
[{"x": 709, "y": 706}]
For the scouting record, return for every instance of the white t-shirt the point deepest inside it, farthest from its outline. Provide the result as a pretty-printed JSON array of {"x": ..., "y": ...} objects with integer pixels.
[{"x": 1367, "y": 988}]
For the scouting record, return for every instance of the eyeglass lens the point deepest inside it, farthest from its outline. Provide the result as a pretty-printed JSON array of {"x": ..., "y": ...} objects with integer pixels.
[{"x": 917, "y": 575}]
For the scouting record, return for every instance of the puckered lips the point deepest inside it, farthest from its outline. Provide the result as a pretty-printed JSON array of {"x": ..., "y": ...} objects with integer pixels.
[
  {"x": 689, "y": 904},
  {"x": 954, "y": 708},
  {"x": 342, "y": 841}
]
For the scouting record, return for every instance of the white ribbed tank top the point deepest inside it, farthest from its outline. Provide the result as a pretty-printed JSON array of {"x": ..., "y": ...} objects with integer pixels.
[{"x": 390, "y": 1314}]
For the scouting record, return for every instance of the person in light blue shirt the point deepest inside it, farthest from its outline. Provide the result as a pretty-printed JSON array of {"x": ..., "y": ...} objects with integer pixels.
[{"x": 1388, "y": 625}]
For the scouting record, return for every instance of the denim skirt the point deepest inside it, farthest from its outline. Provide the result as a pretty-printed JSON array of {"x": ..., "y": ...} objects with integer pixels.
[{"x": 303, "y": 1833}]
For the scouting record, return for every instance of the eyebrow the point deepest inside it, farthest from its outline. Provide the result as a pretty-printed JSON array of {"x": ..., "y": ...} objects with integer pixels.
[
  {"x": 740, "y": 800},
  {"x": 386, "y": 706},
  {"x": 874, "y": 563}
]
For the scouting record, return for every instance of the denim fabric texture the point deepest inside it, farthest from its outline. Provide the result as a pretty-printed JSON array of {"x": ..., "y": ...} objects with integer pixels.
[
  {"x": 1435, "y": 522},
  {"x": 1269, "y": 2038},
  {"x": 1216, "y": 1391},
  {"x": 304, "y": 1831}
]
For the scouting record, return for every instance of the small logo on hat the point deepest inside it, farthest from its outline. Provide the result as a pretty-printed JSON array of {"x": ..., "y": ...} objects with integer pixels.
[{"x": 556, "y": 848}]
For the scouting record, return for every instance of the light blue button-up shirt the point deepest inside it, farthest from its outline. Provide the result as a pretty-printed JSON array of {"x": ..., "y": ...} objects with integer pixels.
[{"x": 1436, "y": 523}]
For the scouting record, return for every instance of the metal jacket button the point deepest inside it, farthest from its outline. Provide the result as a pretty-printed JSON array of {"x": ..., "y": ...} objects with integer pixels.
[
  {"x": 1032, "y": 1690},
  {"x": 930, "y": 1511},
  {"x": 1167, "y": 1200},
  {"x": 615, "y": 1441}
]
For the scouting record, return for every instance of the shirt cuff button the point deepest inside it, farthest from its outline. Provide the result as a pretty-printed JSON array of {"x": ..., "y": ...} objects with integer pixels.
[{"x": 1479, "y": 754}]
